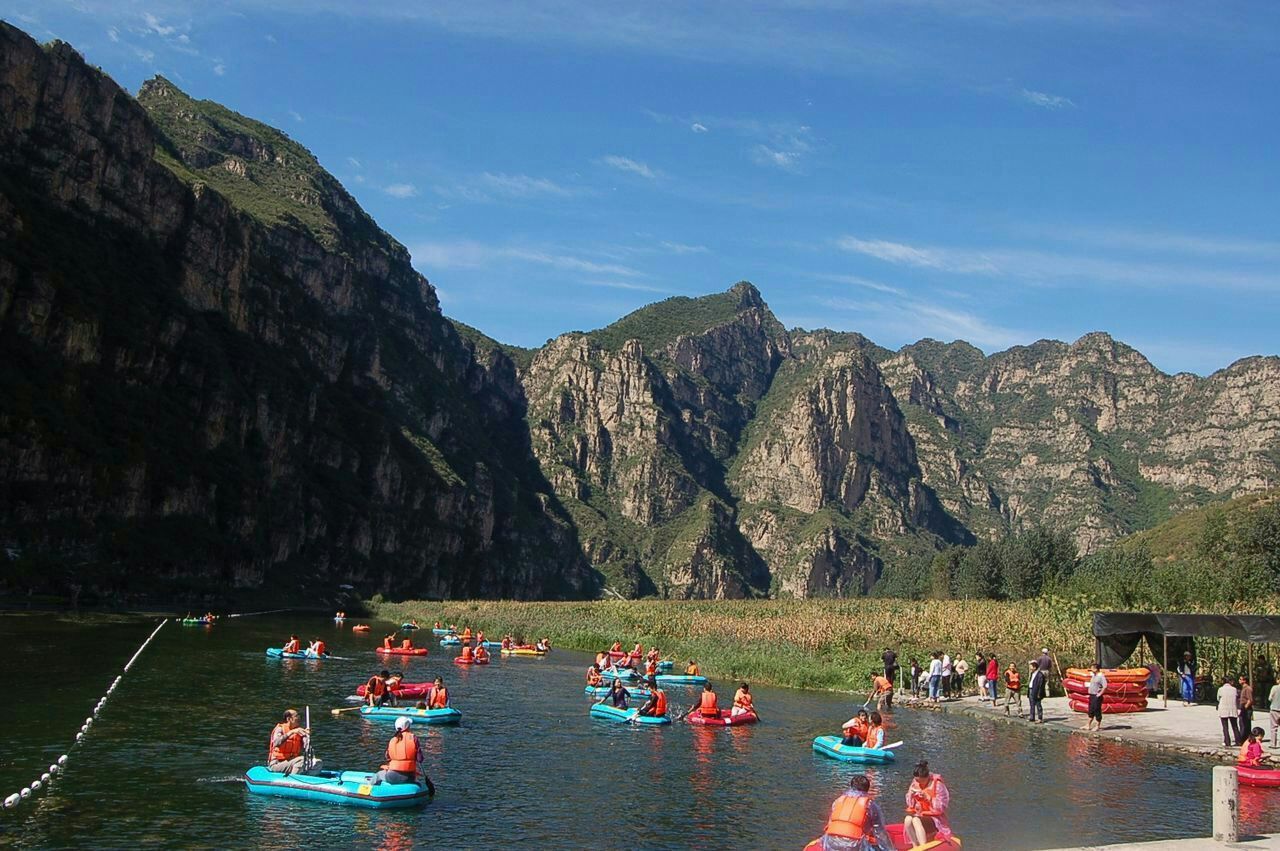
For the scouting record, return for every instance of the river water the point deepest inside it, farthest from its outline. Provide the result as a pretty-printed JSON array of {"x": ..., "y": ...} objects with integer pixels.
[{"x": 527, "y": 766}]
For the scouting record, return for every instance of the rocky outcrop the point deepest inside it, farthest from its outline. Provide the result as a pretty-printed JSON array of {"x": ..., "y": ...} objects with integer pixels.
[{"x": 212, "y": 389}]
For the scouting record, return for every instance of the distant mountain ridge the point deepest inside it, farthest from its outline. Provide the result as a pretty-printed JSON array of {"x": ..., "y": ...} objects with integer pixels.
[{"x": 219, "y": 372}]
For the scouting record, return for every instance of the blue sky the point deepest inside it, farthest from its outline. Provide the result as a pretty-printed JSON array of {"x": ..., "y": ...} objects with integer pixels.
[{"x": 959, "y": 169}]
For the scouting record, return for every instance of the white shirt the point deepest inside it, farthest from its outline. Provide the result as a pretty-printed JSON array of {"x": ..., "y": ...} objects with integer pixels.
[
  {"x": 946, "y": 665},
  {"x": 1097, "y": 684},
  {"x": 1227, "y": 696},
  {"x": 935, "y": 668}
]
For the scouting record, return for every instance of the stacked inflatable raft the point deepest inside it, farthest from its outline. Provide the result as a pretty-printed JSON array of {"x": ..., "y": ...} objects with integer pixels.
[{"x": 1126, "y": 689}]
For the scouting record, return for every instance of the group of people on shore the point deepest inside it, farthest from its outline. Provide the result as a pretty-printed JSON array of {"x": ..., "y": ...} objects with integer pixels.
[
  {"x": 1236, "y": 704},
  {"x": 943, "y": 678}
]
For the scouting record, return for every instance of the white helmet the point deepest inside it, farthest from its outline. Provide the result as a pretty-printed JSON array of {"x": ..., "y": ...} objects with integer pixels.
[{"x": 403, "y": 723}]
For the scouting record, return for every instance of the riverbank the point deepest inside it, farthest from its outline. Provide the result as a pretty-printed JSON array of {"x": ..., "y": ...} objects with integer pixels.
[
  {"x": 1192, "y": 730},
  {"x": 819, "y": 644}
]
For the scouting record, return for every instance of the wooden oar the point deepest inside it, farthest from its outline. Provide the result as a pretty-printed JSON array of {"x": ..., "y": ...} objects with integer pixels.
[{"x": 348, "y": 709}]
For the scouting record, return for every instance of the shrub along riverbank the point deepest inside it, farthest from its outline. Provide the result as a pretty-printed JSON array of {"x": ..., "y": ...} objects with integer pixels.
[{"x": 824, "y": 644}]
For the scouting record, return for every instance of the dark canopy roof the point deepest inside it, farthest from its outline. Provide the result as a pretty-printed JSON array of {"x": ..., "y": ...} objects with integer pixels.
[{"x": 1256, "y": 628}]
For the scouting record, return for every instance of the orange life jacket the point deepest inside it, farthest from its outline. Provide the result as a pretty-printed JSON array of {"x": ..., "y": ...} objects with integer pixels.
[
  {"x": 407, "y": 644},
  {"x": 882, "y": 684},
  {"x": 320, "y": 648},
  {"x": 848, "y": 817},
  {"x": 859, "y": 728},
  {"x": 742, "y": 699},
  {"x": 651, "y": 668},
  {"x": 466, "y": 633},
  {"x": 376, "y": 685},
  {"x": 481, "y": 654},
  {"x": 924, "y": 796},
  {"x": 593, "y": 678},
  {"x": 1013, "y": 680},
  {"x": 872, "y": 733},
  {"x": 438, "y": 625},
  {"x": 402, "y": 753},
  {"x": 616, "y": 648},
  {"x": 708, "y": 706},
  {"x": 292, "y": 646},
  {"x": 439, "y": 698},
  {"x": 466, "y": 652},
  {"x": 386, "y": 642},
  {"x": 393, "y": 682},
  {"x": 660, "y": 702},
  {"x": 288, "y": 749},
  {"x": 480, "y": 636},
  {"x": 692, "y": 671}
]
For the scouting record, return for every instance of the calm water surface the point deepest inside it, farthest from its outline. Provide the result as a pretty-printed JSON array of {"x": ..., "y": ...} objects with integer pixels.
[{"x": 527, "y": 766}]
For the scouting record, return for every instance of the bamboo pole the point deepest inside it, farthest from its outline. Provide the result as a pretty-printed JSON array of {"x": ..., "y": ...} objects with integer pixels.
[{"x": 1165, "y": 673}]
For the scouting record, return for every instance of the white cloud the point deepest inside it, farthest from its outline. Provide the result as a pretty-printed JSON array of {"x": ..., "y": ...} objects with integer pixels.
[
  {"x": 147, "y": 56},
  {"x": 219, "y": 68},
  {"x": 113, "y": 34},
  {"x": 520, "y": 185},
  {"x": 906, "y": 319},
  {"x": 401, "y": 190},
  {"x": 859, "y": 281},
  {"x": 785, "y": 160},
  {"x": 627, "y": 285},
  {"x": 469, "y": 254},
  {"x": 924, "y": 258},
  {"x": 698, "y": 127},
  {"x": 355, "y": 163},
  {"x": 682, "y": 248},
  {"x": 295, "y": 116},
  {"x": 1046, "y": 100},
  {"x": 154, "y": 25},
  {"x": 630, "y": 165}
]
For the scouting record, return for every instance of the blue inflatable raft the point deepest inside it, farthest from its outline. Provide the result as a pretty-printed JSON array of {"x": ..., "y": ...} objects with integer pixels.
[
  {"x": 665, "y": 665},
  {"x": 448, "y": 715},
  {"x": 601, "y": 710},
  {"x": 830, "y": 746},
  {"x": 451, "y": 641},
  {"x": 680, "y": 680},
  {"x": 439, "y": 631},
  {"x": 633, "y": 690},
  {"x": 620, "y": 674},
  {"x": 349, "y": 788},
  {"x": 278, "y": 653},
  {"x": 408, "y": 626}
]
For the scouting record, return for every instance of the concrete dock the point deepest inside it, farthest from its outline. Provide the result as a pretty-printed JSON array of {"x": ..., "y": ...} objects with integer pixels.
[
  {"x": 1192, "y": 729},
  {"x": 1250, "y": 843}
]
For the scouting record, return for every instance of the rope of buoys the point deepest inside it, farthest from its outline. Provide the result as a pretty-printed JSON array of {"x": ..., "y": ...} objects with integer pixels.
[
  {"x": 250, "y": 614},
  {"x": 45, "y": 779}
]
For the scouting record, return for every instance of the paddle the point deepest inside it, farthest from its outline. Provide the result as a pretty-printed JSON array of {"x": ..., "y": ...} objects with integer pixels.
[
  {"x": 309, "y": 757},
  {"x": 347, "y": 709},
  {"x": 892, "y": 746}
]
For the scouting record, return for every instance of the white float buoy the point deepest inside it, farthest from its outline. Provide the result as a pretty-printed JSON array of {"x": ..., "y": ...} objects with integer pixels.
[
  {"x": 79, "y": 736},
  {"x": 53, "y": 769},
  {"x": 88, "y": 720},
  {"x": 26, "y": 793},
  {"x": 35, "y": 785},
  {"x": 62, "y": 760},
  {"x": 12, "y": 800},
  {"x": 46, "y": 777}
]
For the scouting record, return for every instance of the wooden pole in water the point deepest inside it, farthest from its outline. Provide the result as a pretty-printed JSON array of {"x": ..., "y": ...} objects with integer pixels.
[
  {"x": 1164, "y": 676},
  {"x": 1226, "y": 804}
]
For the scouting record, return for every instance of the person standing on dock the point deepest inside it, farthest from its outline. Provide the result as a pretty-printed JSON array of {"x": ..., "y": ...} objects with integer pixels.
[
  {"x": 980, "y": 670},
  {"x": 1246, "y": 710},
  {"x": 1037, "y": 688},
  {"x": 947, "y": 671},
  {"x": 1097, "y": 687},
  {"x": 1187, "y": 678},
  {"x": 1229, "y": 712},
  {"x": 959, "y": 669},
  {"x": 993, "y": 677},
  {"x": 935, "y": 675},
  {"x": 1012, "y": 688},
  {"x": 1273, "y": 701},
  {"x": 890, "y": 660}
]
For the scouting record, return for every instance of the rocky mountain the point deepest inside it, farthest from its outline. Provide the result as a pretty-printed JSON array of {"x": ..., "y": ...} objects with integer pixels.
[{"x": 217, "y": 373}]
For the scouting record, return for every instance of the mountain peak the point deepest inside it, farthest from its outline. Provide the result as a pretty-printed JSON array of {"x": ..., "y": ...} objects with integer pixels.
[{"x": 748, "y": 296}]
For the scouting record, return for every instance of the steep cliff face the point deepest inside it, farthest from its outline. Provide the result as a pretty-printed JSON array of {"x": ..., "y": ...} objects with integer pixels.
[
  {"x": 219, "y": 372},
  {"x": 1088, "y": 437}
]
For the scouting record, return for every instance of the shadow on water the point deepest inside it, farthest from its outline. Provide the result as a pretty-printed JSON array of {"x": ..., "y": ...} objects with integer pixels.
[{"x": 162, "y": 765}]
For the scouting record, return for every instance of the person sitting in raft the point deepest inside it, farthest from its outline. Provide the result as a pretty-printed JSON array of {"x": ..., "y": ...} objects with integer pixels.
[
  {"x": 506, "y": 642},
  {"x": 388, "y": 641},
  {"x": 856, "y": 822},
  {"x": 467, "y": 655},
  {"x": 617, "y": 695},
  {"x": 438, "y": 626},
  {"x": 407, "y": 643},
  {"x": 466, "y": 634},
  {"x": 293, "y": 645},
  {"x": 651, "y": 668},
  {"x": 542, "y": 646},
  {"x": 602, "y": 660},
  {"x": 881, "y": 689},
  {"x": 393, "y": 686},
  {"x": 927, "y": 802},
  {"x": 637, "y": 652},
  {"x": 616, "y": 648},
  {"x": 875, "y": 732},
  {"x": 404, "y": 758},
  {"x": 288, "y": 745},
  {"x": 656, "y": 705},
  {"x": 439, "y": 695},
  {"x": 707, "y": 704},
  {"x": 376, "y": 690},
  {"x": 480, "y": 636},
  {"x": 1251, "y": 752},
  {"x": 692, "y": 669},
  {"x": 594, "y": 677},
  {"x": 855, "y": 729},
  {"x": 482, "y": 655},
  {"x": 654, "y": 655},
  {"x": 742, "y": 704},
  {"x": 318, "y": 647}
]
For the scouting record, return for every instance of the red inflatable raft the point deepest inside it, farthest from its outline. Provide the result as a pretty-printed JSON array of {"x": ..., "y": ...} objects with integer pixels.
[
  {"x": 1269, "y": 777},
  {"x": 400, "y": 651},
  {"x": 1110, "y": 706},
  {"x": 406, "y": 690},
  {"x": 459, "y": 660},
  {"x": 725, "y": 719},
  {"x": 360, "y": 627},
  {"x": 900, "y": 843},
  {"x": 1113, "y": 689}
]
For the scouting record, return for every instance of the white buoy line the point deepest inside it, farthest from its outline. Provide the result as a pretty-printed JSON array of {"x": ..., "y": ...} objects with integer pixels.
[{"x": 45, "y": 779}]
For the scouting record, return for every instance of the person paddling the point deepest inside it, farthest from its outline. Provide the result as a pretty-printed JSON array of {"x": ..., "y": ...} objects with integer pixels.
[
  {"x": 742, "y": 702},
  {"x": 656, "y": 705},
  {"x": 388, "y": 641},
  {"x": 927, "y": 802},
  {"x": 404, "y": 759},
  {"x": 707, "y": 706},
  {"x": 288, "y": 745},
  {"x": 318, "y": 647},
  {"x": 856, "y": 822},
  {"x": 594, "y": 677},
  {"x": 439, "y": 695},
  {"x": 376, "y": 689},
  {"x": 293, "y": 645}
]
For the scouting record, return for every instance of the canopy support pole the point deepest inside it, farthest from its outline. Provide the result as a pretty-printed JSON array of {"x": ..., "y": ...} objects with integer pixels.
[{"x": 1164, "y": 674}]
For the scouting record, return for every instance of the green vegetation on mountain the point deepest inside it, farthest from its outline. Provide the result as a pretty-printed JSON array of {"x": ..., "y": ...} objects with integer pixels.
[{"x": 656, "y": 325}]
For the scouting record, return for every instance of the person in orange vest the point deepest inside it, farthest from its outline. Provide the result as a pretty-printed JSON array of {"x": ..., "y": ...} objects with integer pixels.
[
  {"x": 855, "y": 729},
  {"x": 1012, "y": 688},
  {"x": 288, "y": 745},
  {"x": 467, "y": 655},
  {"x": 856, "y": 822},
  {"x": 388, "y": 641},
  {"x": 404, "y": 758},
  {"x": 293, "y": 645},
  {"x": 376, "y": 690},
  {"x": 881, "y": 690},
  {"x": 482, "y": 654},
  {"x": 480, "y": 636},
  {"x": 875, "y": 732},
  {"x": 692, "y": 669},
  {"x": 594, "y": 678},
  {"x": 439, "y": 695},
  {"x": 437, "y": 626},
  {"x": 654, "y": 655},
  {"x": 742, "y": 702},
  {"x": 466, "y": 634},
  {"x": 406, "y": 644},
  {"x": 318, "y": 647},
  {"x": 650, "y": 668},
  {"x": 616, "y": 648},
  {"x": 393, "y": 687},
  {"x": 656, "y": 705},
  {"x": 927, "y": 802},
  {"x": 707, "y": 704}
]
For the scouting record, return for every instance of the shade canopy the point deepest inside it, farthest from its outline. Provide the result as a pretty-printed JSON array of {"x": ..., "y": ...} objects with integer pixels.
[{"x": 1118, "y": 633}]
